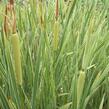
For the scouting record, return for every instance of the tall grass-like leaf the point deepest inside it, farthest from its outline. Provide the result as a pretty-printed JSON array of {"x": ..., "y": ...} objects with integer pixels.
[
  {"x": 66, "y": 106},
  {"x": 102, "y": 101},
  {"x": 4, "y": 100},
  {"x": 80, "y": 86},
  {"x": 56, "y": 35}
]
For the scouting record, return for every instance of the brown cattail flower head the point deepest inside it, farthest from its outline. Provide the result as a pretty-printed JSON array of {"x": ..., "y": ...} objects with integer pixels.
[
  {"x": 57, "y": 10},
  {"x": 11, "y": 2},
  {"x": 10, "y": 18}
]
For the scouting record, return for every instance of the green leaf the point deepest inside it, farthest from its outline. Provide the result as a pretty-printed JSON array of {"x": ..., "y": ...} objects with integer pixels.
[{"x": 4, "y": 100}]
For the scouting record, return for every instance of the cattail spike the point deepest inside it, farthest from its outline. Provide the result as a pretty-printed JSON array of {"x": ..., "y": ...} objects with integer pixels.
[
  {"x": 57, "y": 10},
  {"x": 17, "y": 58}
]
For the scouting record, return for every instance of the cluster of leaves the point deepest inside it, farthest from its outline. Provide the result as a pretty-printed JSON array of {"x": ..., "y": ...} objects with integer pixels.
[{"x": 51, "y": 77}]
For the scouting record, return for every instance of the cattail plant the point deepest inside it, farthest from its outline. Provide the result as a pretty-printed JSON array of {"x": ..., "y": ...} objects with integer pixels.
[
  {"x": 10, "y": 30},
  {"x": 80, "y": 86},
  {"x": 16, "y": 52}
]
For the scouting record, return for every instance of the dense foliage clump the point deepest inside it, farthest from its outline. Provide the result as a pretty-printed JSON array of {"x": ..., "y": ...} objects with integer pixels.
[{"x": 54, "y": 54}]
